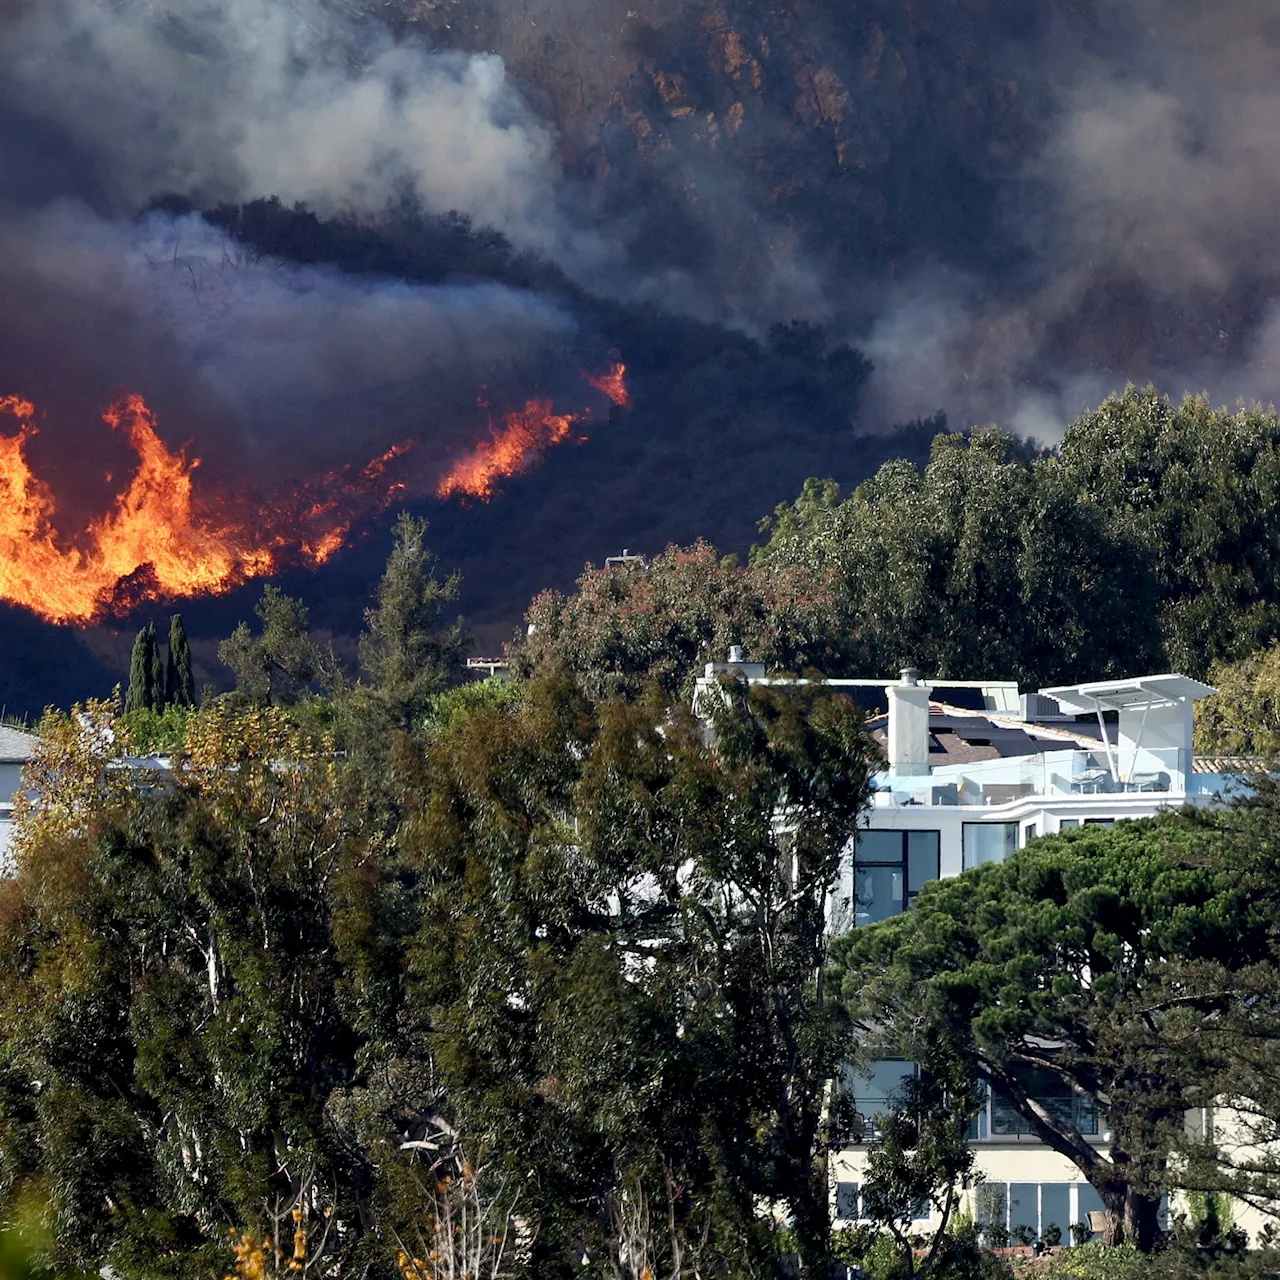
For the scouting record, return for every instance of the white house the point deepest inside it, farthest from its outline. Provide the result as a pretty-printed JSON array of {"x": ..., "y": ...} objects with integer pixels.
[
  {"x": 16, "y": 748},
  {"x": 975, "y": 770}
]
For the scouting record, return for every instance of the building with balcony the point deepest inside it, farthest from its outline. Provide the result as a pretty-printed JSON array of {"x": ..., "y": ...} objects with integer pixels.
[{"x": 974, "y": 770}]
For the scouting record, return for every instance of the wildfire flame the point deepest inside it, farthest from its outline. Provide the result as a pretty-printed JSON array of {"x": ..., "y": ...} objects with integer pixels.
[
  {"x": 524, "y": 437},
  {"x": 155, "y": 542},
  {"x": 611, "y": 384},
  {"x": 160, "y": 541}
]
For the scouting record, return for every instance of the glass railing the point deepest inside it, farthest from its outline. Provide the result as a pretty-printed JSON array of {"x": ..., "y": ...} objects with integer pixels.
[{"x": 988, "y": 783}]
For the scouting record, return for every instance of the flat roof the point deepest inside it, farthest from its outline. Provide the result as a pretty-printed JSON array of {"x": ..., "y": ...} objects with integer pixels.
[{"x": 1125, "y": 695}]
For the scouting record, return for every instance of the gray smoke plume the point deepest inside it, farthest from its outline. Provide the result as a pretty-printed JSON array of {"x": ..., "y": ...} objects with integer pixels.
[
  {"x": 234, "y": 99},
  {"x": 1132, "y": 147},
  {"x": 1147, "y": 220},
  {"x": 271, "y": 369}
]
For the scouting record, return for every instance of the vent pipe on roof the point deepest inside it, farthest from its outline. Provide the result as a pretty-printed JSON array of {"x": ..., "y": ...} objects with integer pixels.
[
  {"x": 735, "y": 653},
  {"x": 908, "y": 745}
]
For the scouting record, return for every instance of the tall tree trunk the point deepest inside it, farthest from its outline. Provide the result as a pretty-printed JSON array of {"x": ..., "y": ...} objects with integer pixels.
[
  {"x": 1141, "y": 1220},
  {"x": 1113, "y": 1201},
  {"x": 1132, "y": 1218}
]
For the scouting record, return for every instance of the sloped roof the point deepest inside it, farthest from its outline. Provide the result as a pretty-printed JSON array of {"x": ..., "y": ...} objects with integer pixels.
[{"x": 16, "y": 746}]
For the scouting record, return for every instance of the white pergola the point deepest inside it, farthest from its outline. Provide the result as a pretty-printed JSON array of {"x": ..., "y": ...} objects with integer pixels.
[{"x": 1141, "y": 693}]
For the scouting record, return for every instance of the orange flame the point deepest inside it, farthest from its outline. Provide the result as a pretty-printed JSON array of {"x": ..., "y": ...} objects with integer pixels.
[
  {"x": 523, "y": 439},
  {"x": 611, "y": 384},
  {"x": 526, "y": 434},
  {"x": 155, "y": 542}
]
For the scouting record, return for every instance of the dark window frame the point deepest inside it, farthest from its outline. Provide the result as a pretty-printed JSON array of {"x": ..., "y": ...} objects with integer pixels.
[{"x": 904, "y": 862}]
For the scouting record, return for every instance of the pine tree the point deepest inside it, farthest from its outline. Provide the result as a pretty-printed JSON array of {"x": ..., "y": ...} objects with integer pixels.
[
  {"x": 407, "y": 654},
  {"x": 139, "y": 697},
  {"x": 157, "y": 699},
  {"x": 179, "y": 683}
]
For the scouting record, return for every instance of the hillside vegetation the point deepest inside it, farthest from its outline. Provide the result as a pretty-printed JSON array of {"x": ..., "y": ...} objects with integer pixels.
[{"x": 1148, "y": 540}]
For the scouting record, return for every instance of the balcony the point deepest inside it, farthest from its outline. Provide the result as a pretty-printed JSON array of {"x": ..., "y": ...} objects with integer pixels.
[{"x": 1057, "y": 773}]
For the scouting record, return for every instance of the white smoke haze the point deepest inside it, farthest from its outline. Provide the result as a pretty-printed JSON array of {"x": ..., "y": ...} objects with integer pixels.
[
  {"x": 283, "y": 367},
  {"x": 236, "y": 99}
]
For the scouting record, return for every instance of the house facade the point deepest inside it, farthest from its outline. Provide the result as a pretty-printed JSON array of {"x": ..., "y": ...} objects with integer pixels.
[
  {"x": 16, "y": 748},
  {"x": 974, "y": 771}
]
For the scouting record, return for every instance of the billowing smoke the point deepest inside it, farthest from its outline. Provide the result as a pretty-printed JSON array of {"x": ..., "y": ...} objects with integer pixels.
[
  {"x": 1011, "y": 211},
  {"x": 1145, "y": 225},
  {"x": 270, "y": 368},
  {"x": 234, "y": 99}
]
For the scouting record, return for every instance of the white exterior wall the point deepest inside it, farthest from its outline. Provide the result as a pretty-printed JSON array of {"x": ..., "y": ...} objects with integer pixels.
[{"x": 1022, "y": 1159}]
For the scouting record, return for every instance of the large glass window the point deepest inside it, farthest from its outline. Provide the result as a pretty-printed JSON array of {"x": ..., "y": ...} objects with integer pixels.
[
  {"x": 848, "y": 1205},
  {"x": 890, "y": 868},
  {"x": 878, "y": 1091},
  {"x": 1001, "y": 1119},
  {"x": 988, "y": 842},
  {"x": 1054, "y": 1212},
  {"x": 1026, "y": 1211}
]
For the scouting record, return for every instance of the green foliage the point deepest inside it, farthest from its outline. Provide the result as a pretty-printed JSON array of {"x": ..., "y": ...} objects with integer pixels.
[
  {"x": 624, "y": 627},
  {"x": 155, "y": 681},
  {"x": 179, "y": 679},
  {"x": 277, "y": 666},
  {"x": 1182, "y": 1260},
  {"x": 623, "y": 982},
  {"x": 190, "y": 976},
  {"x": 141, "y": 693},
  {"x": 986, "y": 563},
  {"x": 1198, "y": 488},
  {"x": 407, "y": 656},
  {"x": 450, "y": 711},
  {"x": 1100, "y": 1262},
  {"x": 1148, "y": 541},
  {"x": 921, "y": 1157},
  {"x": 569, "y": 937},
  {"x": 1243, "y": 717},
  {"x": 1143, "y": 954},
  {"x": 156, "y": 732}
]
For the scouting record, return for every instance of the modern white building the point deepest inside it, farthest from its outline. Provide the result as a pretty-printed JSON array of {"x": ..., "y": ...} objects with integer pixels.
[{"x": 975, "y": 769}]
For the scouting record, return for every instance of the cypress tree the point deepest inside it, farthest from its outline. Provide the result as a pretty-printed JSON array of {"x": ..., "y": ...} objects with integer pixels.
[
  {"x": 157, "y": 671},
  {"x": 180, "y": 682},
  {"x": 139, "y": 696}
]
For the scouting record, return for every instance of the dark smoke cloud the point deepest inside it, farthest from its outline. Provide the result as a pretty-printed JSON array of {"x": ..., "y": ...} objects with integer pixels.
[
  {"x": 1130, "y": 236},
  {"x": 1147, "y": 217},
  {"x": 269, "y": 369},
  {"x": 234, "y": 99}
]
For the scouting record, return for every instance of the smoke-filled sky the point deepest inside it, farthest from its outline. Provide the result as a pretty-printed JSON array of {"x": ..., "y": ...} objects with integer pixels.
[
  {"x": 1146, "y": 222},
  {"x": 1125, "y": 158}
]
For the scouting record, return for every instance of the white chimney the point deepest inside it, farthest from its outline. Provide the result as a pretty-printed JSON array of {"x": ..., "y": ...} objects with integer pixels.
[{"x": 908, "y": 747}]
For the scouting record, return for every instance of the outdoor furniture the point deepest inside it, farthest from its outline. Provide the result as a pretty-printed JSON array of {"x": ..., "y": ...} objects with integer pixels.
[
  {"x": 1091, "y": 781},
  {"x": 1148, "y": 782}
]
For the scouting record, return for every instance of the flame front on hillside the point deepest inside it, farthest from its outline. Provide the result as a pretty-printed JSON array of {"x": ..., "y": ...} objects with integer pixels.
[
  {"x": 523, "y": 438},
  {"x": 157, "y": 542}
]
